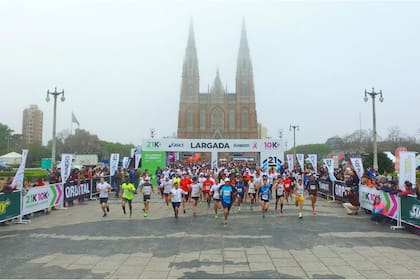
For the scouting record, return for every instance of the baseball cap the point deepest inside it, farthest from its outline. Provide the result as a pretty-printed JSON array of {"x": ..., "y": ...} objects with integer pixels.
[{"x": 227, "y": 180}]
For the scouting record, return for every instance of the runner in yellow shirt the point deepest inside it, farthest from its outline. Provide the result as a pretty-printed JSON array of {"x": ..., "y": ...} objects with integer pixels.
[{"x": 126, "y": 193}]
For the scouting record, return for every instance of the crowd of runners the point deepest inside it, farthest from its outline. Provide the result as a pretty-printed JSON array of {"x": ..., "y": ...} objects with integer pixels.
[{"x": 235, "y": 185}]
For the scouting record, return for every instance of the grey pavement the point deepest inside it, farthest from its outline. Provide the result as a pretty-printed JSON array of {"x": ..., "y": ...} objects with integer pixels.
[{"x": 80, "y": 243}]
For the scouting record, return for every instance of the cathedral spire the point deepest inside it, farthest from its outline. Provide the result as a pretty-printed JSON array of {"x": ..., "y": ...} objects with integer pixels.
[
  {"x": 244, "y": 64},
  {"x": 217, "y": 87},
  {"x": 190, "y": 67}
]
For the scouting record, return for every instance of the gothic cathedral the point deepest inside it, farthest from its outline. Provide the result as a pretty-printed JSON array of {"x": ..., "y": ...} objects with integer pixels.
[{"x": 217, "y": 114}]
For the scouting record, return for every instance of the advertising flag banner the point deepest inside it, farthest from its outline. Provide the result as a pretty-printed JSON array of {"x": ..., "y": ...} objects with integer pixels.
[
  {"x": 126, "y": 162},
  {"x": 113, "y": 163},
  {"x": 301, "y": 160},
  {"x": 358, "y": 166},
  {"x": 137, "y": 158},
  {"x": 290, "y": 162},
  {"x": 397, "y": 157},
  {"x": 407, "y": 168},
  {"x": 313, "y": 159},
  {"x": 40, "y": 198},
  {"x": 65, "y": 166},
  {"x": 329, "y": 163},
  {"x": 18, "y": 179}
]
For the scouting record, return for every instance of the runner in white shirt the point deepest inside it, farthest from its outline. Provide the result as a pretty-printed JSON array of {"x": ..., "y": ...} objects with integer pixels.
[
  {"x": 176, "y": 198},
  {"x": 216, "y": 198},
  {"x": 252, "y": 192},
  {"x": 167, "y": 187},
  {"x": 195, "y": 194},
  {"x": 279, "y": 188},
  {"x": 103, "y": 188}
]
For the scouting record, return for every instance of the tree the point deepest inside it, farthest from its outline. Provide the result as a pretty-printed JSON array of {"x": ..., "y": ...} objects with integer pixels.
[
  {"x": 322, "y": 150},
  {"x": 82, "y": 142},
  {"x": 384, "y": 163},
  {"x": 109, "y": 148},
  {"x": 36, "y": 152},
  {"x": 6, "y": 139}
]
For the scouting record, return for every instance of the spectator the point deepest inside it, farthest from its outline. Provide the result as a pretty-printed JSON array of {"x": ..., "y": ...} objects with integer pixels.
[
  {"x": 39, "y": 182},
  {"x": 352, "y": 205},
  {"x": 408, "y": 189},
  {"x": 378, "y": 210}
]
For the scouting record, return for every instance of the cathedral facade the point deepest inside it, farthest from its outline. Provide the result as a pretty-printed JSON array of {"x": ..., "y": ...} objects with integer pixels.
[{"x": 217, "y": 114}]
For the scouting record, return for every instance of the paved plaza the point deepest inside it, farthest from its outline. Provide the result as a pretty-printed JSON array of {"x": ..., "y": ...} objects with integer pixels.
[{"x": 80, "y": 243}]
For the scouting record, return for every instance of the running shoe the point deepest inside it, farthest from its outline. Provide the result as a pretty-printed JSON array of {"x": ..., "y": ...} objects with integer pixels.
[
  {"x": 281, "y": 212},
  {"x": 263, "y": 216},
  {"x": 145, "y": 214},
  {"x": 314, "y": 212},
  {"x": 300, "y": 215},
  {"x": 216, "y": 216},
  {"x": 225, "y": 224},
  {"x": 107, "y": 209},
  {"x": 104, "y": 215},
  {"x": 184, "y": 211}
]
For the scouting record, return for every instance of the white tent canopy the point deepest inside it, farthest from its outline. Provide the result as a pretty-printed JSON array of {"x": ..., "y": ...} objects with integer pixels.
[{"x": 11, "y": 158}]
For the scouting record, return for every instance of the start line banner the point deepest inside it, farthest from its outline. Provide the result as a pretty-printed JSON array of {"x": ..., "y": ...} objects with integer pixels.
[{"x": 40, "y": 198}]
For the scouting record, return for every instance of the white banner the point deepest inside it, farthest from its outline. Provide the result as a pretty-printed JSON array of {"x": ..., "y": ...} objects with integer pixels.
[
  {"x": 113, "y": 163},
  {"x": 126, "y": 162},
  {"x": 329, "y": 163},
  {"x": 65, "y": 166},
  {"x": 137, "y": 158},
  {"x": 407, "y": 168},
  {"x": 358, "y": 166},
  {"x": 313, "y": 159},
  {"x": 40, "y": 198},
  {"x": 18, "y": 179},
  {"x": 301, "y": 160},
  {"x": 290, "y": 162}
]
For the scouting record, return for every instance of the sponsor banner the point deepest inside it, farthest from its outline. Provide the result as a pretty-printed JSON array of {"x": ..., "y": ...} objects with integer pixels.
[
  {"x": 65, "y": 166},
  {"x": 72, "y": 190},
  {"x": 367, "y": 196},
  {"x": 137, "y": 158},
  {"x": 410, "y": 210},
  {"x": 340, "y": 189},
  {"x": 271, "y": 160},
  {"x": 329, "y": 163},
  {"x": 209, "y": 145},
  {"x": 407, "y": 168},
  {"x": 40, "y": 198},
  {"x": 151, "y": 161},
  {"x": 9, "y": 205},
  {"x": 358, "y": 166},
  {"x": 126, "y": 162},
  {"x": 325, "y": 187},
  {"x": 113, "y": 163},
  {"x": 313, "y": 159},
  {"x": 301, "y": 160},
  {"x": 290, "y": 162},
  {"x": 18, "y": 179}
]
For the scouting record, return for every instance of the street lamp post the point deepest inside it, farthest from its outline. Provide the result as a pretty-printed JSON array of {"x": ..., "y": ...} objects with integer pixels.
[
  {"x": 294, "y": 127},
  {"x": 55, "y": 94},
  {"x": 373, "y": 94}
]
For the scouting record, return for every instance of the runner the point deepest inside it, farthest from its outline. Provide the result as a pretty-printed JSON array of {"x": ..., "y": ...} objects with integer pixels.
[
  {"x": 312, "y": 187},
  {"x": 147, "y": 190},
  {"x": 176, "y": 198},
  {"x": 207, "y": 184},
  {"x": 299, "y": 199},
  {"x": 226, "y": 193},
  {"x": 287, "y": 188},
  {"x": 195, "y": 194},
  {"x": 186, "y": 188},
  {"x": 103, "y": 188},
  {"x": 252, "y": 191},
  {"x": 216, "y": 198},
  {"x": 126, "y": 193},
  {"x": 279, "y": 187},
  {"x": 240, "y": 191},
  {"x": 167, "y": 187},
  {"x": 264, "y": 194}
]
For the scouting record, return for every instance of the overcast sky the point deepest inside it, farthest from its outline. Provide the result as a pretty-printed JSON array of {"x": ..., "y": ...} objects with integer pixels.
[{"x": 120, "y": 63}]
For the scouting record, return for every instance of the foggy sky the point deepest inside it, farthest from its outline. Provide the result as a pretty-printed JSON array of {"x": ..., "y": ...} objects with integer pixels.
[{"x": 120, "y": 63}]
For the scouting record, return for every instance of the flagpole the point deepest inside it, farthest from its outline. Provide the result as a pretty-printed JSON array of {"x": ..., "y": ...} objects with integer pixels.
[{"x": 71, "y": 125}]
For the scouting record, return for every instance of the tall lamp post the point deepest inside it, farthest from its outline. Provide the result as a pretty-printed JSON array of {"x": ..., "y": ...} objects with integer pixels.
[
  {"x": 373, "y": 94},
  {"x": 55, "y": 94},
  {"x": 294, "y": 127}
]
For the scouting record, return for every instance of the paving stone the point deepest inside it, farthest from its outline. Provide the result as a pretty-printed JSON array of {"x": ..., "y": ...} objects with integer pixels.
[
  {"x": 375, "y": 274},
  {"x": 313, "y": 266}
]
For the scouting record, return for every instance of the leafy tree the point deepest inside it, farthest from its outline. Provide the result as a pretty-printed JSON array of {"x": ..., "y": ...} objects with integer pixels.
[
  {"x": 384, "y": 163},
  {"x": 122, "y": 149},
  {"x": 321, "y": 150},
  {"x": 6, "y": 139},
  {"x": 82, "y": 142},
  {"x": 36, "y": 152}
]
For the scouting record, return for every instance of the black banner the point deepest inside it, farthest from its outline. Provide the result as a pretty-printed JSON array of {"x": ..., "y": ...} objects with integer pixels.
[
  {"x": 325, "y": 187},
  {"x": 340, "y": 189},
  {"x": 73, "y": 190}
]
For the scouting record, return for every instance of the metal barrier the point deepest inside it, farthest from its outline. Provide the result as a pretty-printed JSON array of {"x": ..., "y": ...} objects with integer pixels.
[{"x": 326, "y": 188}]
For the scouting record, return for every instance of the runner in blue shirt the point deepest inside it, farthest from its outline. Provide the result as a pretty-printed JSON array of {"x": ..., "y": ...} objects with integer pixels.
[
  {"x": 240, "y": 190},
  {"x": 226, "y": 194},
  {"x": 265, "y": 193}
]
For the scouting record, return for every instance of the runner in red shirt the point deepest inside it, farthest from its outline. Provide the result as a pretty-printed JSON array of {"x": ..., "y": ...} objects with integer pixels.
[
  {"x": 207, "y": 184},
  {"x": 185, "y": 186},
  {"x": 288, "y": 189}
]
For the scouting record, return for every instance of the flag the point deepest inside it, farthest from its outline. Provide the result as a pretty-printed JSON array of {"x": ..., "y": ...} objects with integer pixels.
[
  {"x": 329, "y": 163},
  {"x": 113, "y": 163},
  {"x": 290, "y": 162},
  {"x": 65, "y": 166},
  {"x": 74, "y": 119},
  {"x": 18, "y": 179},
  {"x": 358, "y": 166},
  {"x": 313, "y": 159},
  {"x": 300, "y": 159}
]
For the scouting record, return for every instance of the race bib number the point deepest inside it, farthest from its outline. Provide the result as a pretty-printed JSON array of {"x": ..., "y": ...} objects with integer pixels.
[
  {"x": 313, "y": 187},
  {"x": 226, "y": 193},
  {"x": 264, "y": 196},
  {"x": 239, "y": 190},
  {"x": 279, "y": 191}
]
